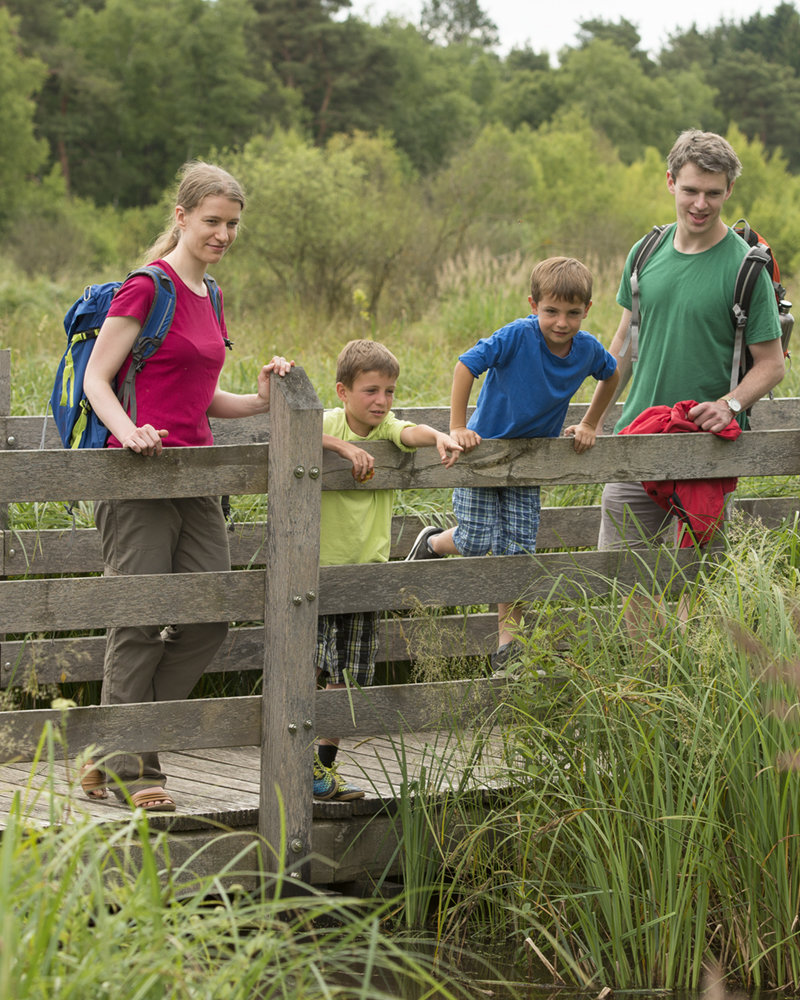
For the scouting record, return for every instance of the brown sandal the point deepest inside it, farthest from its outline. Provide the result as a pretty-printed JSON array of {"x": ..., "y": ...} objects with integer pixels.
[
  {"x": 153, "y": 800},
  {"x": 93, "y": 781}
]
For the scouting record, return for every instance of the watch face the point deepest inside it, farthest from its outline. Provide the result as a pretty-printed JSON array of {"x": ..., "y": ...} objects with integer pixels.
[{"x": 735, "y": 405}]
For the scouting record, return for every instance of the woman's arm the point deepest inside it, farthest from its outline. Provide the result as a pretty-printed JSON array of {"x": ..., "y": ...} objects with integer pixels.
[
  {"x": 114, "y": 343},
  {"x": 230, "y": 405}
]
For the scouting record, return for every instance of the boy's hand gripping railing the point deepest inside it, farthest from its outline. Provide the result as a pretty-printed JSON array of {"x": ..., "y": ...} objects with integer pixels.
[{"x": 290, "y": 622}]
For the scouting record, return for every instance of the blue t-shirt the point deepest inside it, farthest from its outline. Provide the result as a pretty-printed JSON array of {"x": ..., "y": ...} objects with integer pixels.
[{"x": 528, "y": 388}]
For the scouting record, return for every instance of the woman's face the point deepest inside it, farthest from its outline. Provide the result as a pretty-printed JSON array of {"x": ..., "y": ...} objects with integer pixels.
[{"x": 209, "y": 229}]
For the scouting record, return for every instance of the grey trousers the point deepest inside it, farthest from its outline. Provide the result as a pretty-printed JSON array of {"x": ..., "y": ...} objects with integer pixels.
[{"x": 157, "y": 662}]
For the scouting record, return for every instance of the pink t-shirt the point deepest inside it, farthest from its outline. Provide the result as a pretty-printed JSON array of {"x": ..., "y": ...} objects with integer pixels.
[{"x": 175, "y": 388}]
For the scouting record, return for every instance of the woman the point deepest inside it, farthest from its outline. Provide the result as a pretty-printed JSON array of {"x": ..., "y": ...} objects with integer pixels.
[{"x": 176, "y": 392}]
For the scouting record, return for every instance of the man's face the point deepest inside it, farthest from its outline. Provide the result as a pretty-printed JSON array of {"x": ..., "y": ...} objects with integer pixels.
[{"x": 699, "y": 197}]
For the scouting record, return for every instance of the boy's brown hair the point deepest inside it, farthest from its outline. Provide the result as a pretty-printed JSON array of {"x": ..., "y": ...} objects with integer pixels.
[
  {"x": 359, "y": 356},
  {"x": 562, "y": 278}
]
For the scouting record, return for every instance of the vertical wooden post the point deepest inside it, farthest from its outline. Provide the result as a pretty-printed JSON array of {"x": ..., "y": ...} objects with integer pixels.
[
  {"x": 5, "y": 411},
  {"x": 290, "y": 623}
]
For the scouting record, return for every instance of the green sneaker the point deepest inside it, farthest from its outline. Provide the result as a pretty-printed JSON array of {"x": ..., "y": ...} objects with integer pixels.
[
  {"x": 326, "y": 784},
  {"x": 346, "y": 790}
]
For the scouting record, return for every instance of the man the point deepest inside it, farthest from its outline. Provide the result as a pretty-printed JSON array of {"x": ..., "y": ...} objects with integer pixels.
[{"x": 686, "y": 335}]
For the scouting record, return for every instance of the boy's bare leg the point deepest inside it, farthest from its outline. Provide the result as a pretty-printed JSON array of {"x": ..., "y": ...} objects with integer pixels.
[
  {"x": 443, "y": 544},
  {"x": 329, "y": 742},
  {"x": 509, "y": 620},
  {"x": 333, "y": 741}
]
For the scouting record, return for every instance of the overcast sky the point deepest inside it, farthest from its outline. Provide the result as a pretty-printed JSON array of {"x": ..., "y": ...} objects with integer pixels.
[{"x": 548, "y": 26}]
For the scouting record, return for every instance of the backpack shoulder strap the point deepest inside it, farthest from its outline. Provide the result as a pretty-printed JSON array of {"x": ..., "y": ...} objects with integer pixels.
[
  {"x": 753, "y": 263},
  {"x": 216, "y": 300},
  {"x": 644, "y": 252},
  {"x": 151, "y": 336}
]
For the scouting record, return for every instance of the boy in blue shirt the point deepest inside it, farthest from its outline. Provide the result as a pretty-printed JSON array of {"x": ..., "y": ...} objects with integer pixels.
[
  {"x": 534, "y": 366},
  {"x": 357, "y": 524}
]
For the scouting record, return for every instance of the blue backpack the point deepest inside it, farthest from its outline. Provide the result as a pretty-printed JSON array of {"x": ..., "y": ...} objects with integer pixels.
[{"x": 78, "y": 425}]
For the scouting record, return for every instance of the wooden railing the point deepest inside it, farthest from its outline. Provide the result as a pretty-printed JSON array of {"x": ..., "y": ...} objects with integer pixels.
[{"x": 49, "y": 583}]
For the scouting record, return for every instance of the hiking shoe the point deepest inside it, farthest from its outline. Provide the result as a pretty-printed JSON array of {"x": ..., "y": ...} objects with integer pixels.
[
  {"x": 506, "y": 659},
  {"x": 420, "y": 549},
  {"x": 346, "y": 790},
  {"x": 326, "y": 784}
]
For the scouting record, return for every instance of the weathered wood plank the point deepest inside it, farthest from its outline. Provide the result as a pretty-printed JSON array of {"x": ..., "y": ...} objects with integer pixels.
[
  {"x": 290, "y": 610},
  {"x": 27, "y": 431},
  {"x": 59, "y": 475},
  {"x": 234, "y": 722},
  {"x": 479, "y": 580},
  {"x": 113, "y": 473},
  {"x": 551, "y": 461},
  {"x": 775, "y": 414},
  {"x": 80, "y": 658},
  {"x": 102, "y": 602},
  {"x": 70, "y": 551}
]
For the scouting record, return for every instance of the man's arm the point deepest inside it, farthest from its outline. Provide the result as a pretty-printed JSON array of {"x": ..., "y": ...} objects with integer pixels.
[{"x": 767, "y": 371}]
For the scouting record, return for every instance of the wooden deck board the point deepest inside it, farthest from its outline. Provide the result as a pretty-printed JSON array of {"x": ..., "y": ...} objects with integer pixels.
[{"x": 218, "y": 789}]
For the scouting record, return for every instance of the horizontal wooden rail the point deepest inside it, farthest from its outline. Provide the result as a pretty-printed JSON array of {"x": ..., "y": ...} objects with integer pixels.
[
  {"x": 234, "y": 722},
  {"x": 38, "y": 661},
  {"x": 52, "y": 475},
  {"x": 68, "y": 551},
  {"x": 25, "y": 432},
  {"x": 105, "y": 602}
]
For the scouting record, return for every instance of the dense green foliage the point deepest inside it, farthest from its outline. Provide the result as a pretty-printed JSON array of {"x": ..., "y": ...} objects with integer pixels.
[
  {"x": 374, "y": 155},
  {"x": 131, "y": 91}
]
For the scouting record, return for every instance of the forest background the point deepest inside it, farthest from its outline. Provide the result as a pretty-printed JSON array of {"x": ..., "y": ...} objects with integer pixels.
[{"x": 402, "y": 178}]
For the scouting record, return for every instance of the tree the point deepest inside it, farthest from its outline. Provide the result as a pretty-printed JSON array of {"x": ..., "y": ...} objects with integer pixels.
[
  {"x": 622, "y": 33},
  {"x": 453, "y": 22},
  {"x": 135, "y": 90},
  {"x": 633, "y": 109},
  {"x": 340, "y": 71},
  {"x": 762, "y": 98},
  {"x": 23, "y": 152},
  {"x": 325, "y": 220}
]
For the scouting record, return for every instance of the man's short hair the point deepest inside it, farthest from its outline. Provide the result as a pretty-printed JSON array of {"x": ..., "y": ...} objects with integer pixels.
[
  {"x": 359, "y": 356},
  {"x": 562, "y": 278},
  {"x": 707, "y": 151}
]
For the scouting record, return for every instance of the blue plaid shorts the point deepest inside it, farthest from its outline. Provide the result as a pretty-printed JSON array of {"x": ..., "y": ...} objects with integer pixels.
[
  {"x": 347, "y": 642},
  {"x": 502, "y": 520}
]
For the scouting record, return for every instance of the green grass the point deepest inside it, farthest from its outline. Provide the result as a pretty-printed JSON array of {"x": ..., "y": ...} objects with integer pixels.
[{"x": 652, "y": 811}]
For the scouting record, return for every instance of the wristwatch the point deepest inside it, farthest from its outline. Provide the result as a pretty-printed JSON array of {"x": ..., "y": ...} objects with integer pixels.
[{"x": 733, "y": 404}]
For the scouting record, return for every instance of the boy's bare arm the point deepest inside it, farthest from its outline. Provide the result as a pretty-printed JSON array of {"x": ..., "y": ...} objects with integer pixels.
[
  {"x": 363, "y": 463},
  {"x": 585, "y": 433},
  {"x": 421, "y": 436},
  {"x": 459, "y": 401}
]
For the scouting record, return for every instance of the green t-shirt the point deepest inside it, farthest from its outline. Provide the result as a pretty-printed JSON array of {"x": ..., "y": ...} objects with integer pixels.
[
  {"x": 686, "y": 333},
  {"x": 357, "y": 524}
]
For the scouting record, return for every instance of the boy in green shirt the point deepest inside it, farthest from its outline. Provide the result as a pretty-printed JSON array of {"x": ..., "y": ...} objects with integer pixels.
[{"x": 356, "y": 524}]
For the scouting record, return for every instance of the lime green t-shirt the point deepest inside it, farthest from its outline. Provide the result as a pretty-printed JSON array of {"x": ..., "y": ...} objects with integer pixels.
[
  {"x": 357, "y": 524},
  {"x": 686, "y": 335}
]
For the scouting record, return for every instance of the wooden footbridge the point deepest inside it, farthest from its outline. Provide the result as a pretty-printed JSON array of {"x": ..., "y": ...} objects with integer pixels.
[{"x": 241, "y": 765}]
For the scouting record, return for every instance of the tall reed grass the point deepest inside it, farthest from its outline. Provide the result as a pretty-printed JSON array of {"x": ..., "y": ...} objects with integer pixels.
[{"x": 651, "y": 812}]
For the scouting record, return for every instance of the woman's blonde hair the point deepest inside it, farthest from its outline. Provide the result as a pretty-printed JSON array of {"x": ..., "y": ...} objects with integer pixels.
[{"x": 197, "y": 181}]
